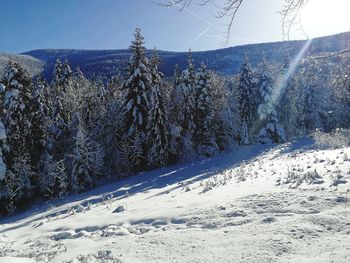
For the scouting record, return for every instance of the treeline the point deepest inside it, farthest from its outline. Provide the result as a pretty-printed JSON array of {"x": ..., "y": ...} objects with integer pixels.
[{"x": 60, "y": 137}]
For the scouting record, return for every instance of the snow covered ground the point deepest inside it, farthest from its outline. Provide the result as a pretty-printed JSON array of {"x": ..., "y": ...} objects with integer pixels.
[{"x": 262, "y": 203}]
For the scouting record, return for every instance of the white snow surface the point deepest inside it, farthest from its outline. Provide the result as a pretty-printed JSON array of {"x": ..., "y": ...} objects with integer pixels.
[{"x": 262, "y": 203}]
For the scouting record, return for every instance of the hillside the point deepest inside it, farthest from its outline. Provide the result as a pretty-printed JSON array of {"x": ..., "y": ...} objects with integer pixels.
[
  {"x": 261, "y": 203},
  {"x": 33, "y": 65},
  {"x": 227, "y": 61}
]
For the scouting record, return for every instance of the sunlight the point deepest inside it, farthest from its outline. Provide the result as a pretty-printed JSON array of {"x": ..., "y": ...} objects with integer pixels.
[
  {"x": 325, "y": 17},
  {"x": 291, "y": 70}
]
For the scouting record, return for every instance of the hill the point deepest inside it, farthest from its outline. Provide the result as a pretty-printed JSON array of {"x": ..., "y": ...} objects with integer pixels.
[
  {"x": 226, "y": 61},
  {"x": 33, "y": 65}
]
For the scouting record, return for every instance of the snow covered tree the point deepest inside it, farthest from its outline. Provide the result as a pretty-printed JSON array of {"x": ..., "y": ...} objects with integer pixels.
[
  {"x": 311, "y": 119},
  {"x": 62, "y": 107},
  {"x": 135, "y": 106},
  {"x": 246, "y": 97},
  {"x": 18, "y": 184},
  {"x": 226, "y": 116},
  {"x": 204, "y": 135},
  {"x": 23, "y": 120},
  {"x": 17, "y": 112},
  {"x": 53, "y": 178},
  {"x": 176, "y": 106},
  {"x": 289, "y": 103},
  {"x": 270, "y": 128},
  {"x": 187, "y": 86},
  {"x": 85, "y": 163},
  {"x": 157, "y": 127}
]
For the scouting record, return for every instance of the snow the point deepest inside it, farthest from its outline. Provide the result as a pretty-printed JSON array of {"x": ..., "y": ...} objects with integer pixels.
[
  {"x": 2, "y": 88},
  {"x": 261, "y": 203},
  {"x": 2, "y": 131}
]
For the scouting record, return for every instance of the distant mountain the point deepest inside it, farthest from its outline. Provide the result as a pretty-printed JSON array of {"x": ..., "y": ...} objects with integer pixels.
[
  {"x": 33, "y": 65},
  {"x": 227, "y": 61}
]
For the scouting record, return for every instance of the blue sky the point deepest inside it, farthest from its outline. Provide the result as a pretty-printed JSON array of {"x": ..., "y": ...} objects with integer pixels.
[{"x": 109, "y": 24}]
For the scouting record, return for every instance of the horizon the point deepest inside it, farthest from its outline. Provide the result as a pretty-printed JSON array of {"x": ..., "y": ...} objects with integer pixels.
[
  {"x": 184, "y": 51},
  {"x": 87, "y": 25}
]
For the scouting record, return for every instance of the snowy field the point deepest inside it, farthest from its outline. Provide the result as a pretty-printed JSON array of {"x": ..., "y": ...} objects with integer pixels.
[{"x": 262, "y": 203}]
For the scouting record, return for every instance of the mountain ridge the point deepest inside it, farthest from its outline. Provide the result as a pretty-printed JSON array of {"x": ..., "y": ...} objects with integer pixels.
[{"x": 227, "y": 61}]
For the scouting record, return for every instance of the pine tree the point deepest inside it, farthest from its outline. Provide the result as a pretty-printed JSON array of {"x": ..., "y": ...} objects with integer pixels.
[
  {"x": 85, "y": 163},
  {"x": 312, "y": 97},
  {"x": 176, "y": 106},
  {"x": 225, "y": 111},
  {"x": 53, "y": 178},
  {"x": 17, "y": 182},
  {"x": 204, "y": 136},
  {"x": 289, "y": 104},
  {"x": 62, "y": 108},
  {"x": 187, "y": 85},
  {"x": 17, "y": 112},
  {"x": 158, "y": 130},
  {"x": 271, "y": 130},
  {"x": 188, "y": 88},
  {"x": 246, "y": 97},
  {"x": 135, "y": 106}
]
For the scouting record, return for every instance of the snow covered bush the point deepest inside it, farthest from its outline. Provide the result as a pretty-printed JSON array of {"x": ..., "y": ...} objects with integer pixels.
[{"x": 336, "y": 139}]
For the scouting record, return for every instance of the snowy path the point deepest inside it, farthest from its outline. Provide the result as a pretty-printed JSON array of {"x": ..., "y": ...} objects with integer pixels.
[{"x": 256, "y": 204}]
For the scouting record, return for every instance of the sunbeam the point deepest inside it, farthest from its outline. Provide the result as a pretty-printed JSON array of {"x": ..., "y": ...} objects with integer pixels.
[{"x": 282, "y": 84}]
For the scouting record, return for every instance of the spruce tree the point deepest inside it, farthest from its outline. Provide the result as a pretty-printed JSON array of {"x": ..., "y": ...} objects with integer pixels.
[
  {"x": 20, "y": 140},
  {"x": 204, "y": 136},
  {"x": 62, "y": 107},
  {"x": 85, "y": 162},
  {"x": 158, "y": 130},
  {"x": 176, "y": 116},
  {"x": 246, "y": 97},
  {"x": 289, "y": 103},
  {"x": 187, "y": 87},
  {"x": 135, "y": 106},
  {"x": 270, "y": 128}
]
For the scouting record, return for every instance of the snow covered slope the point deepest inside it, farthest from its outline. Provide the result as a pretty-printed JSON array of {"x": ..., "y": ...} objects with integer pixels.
[
  {"x": 33, "y": 65},
  {"x": 262, "y": 203}
]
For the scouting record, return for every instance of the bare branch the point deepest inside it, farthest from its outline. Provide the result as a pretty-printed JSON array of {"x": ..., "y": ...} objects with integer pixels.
[{"x": 333, "y": 54}]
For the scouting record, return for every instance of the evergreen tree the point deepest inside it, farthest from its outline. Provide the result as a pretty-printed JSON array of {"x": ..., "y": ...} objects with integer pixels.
[
  {"x": 312, "y": 97},
  {"x": 158, "y": 130},
  {"x": 289, "y": 103},
  {"x": 62, "y": 108},
  {"x": 205, "y": 139},
  {"x": 246, "y": 97},
  {"x": 85, "y": 163},
  {"x": 271, "y": 130},
  {"x": 187, "y": 87},
  {"x": 17, "y": 182},
  {"x": 226, "y": 119},
  {"x": 135, "y": 106},
  {"x": 17, "y": 112},
  {"x": 53, "y": 178},
  {"x": 176, "y": 116}
]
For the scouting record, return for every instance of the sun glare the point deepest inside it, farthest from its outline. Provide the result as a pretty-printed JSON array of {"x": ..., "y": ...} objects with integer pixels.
[{"x": 325, "y": 17}]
